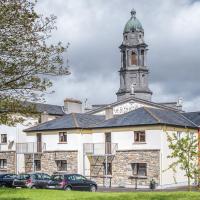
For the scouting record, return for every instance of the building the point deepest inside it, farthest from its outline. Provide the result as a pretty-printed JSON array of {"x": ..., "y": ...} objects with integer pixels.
[{"x": 124, "y": 142}]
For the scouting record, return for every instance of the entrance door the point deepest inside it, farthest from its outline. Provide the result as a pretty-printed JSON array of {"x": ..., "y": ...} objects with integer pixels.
[
  {"x": 108, "y": 143},
  {"x": 39, "y": 142}
]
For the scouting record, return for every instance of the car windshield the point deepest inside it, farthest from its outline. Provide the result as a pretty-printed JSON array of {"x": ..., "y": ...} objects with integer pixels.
[{"x": 23, "y": 176}]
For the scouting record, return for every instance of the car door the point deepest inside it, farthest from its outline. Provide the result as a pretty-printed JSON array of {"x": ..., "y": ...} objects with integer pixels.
[
  {"x": 81, "y": 182},
  {"x": 8, "y": 179},
  {"x": 45, "y": 180}
]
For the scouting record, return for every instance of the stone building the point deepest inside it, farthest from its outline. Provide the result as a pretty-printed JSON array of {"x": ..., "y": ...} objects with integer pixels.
[{"x": 123, "y": 142}]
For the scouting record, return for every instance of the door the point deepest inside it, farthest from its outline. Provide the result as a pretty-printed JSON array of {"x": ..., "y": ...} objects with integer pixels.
[
  {"x": 108, "y": 143},
  {"x": 81, "y": 183},
  {"x": 39, "y": 142}
]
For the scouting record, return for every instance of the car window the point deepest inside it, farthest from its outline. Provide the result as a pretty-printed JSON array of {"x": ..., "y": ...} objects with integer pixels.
[
  {"x": 79, "y": 178},
  {"x": 46, "y": 177},
  {"x": 9, "y": 176},
  {"x": 57, "y": 177},
  {"x": 23, "y": 176},
  {"x": 71, "y": 178}
]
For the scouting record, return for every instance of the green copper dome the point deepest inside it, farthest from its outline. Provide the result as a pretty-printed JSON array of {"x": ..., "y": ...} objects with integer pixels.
[{"x": 133, "y": 24}]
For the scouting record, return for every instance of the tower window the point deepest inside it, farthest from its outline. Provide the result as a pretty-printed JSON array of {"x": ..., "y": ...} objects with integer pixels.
[
  {"x": 142, "y": 57},
  {"x": 125, "y": 37},
  {"x": 133, "y": 58}
]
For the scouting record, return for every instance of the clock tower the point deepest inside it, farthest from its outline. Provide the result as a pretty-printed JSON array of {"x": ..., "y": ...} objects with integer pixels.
[{"x": 134, "y": 71}]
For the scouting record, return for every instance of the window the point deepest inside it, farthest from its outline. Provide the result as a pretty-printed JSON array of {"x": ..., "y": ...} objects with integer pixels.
[
  {"x": 142, "y": 57},
  {"x": 139, "y": 136},
  {"x": 109, "y": 168},
  {"x": 61, "y": 165},
  {"x": 133, "y": 58},
  {"x": 3, "y": 138},
  {"x": 139, "y": 169},
  {"x": 79, "y": 178},
  {"x": 179, "y": 135},
  {"x": 62, "y": 137},
  {"x": 3, "y": 163},
  {"x": 37, "y": 164}
]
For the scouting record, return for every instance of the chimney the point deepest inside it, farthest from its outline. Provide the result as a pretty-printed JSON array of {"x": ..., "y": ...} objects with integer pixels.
[
  {"x": 44, "y": 117},
  {"x": 72, "y": 106},
  {"x": 109, "y": 112}
]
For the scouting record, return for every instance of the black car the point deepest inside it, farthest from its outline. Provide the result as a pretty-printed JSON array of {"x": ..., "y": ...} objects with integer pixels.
[
  {"x": 71, "y": 182},
  {"x": 6, "y": 180},
  {"x": 32, "y": 180}
]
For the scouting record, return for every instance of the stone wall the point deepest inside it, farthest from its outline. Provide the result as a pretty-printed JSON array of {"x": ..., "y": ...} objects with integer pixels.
[
  {"x": 122, "y": 170},
  {"x": 29, "y": 161},
  {"x": 10, "y": 156},
  {"x": 48, "y": 161}
]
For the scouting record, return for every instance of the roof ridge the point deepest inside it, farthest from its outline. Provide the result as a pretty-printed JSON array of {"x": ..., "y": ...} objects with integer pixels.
[
  {"x": 154, "y": 116},
  {"x": 75, "y": 120}
]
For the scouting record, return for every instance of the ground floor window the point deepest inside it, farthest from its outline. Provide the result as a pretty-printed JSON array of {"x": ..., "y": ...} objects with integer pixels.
[
  {"x": 3, "y": 163},
  {"x": 109, "y": 168},
  {"x": 37, "y": 164},
  {"x": 139, "y": 169},
  {"x": 61, "y": 165}
]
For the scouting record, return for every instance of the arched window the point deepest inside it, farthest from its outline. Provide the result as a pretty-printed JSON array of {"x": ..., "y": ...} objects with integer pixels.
[
  {"x": 133, "y": 58},
  {"x": 142, "y": 57}
]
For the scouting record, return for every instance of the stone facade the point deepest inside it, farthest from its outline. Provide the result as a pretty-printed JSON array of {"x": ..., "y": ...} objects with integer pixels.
[
  {"x": 49, "y": 158},
  {"x": 29, "y": 161},
  {"x": 122, "y": 173},
  {"x": 122, "y": 170},
  {"x": 10, "y": 157}
]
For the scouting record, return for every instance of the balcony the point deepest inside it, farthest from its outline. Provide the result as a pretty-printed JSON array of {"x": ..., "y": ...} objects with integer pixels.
[
  {"x": 98, "y": 149},
  {"x": 30, "y": 147}
]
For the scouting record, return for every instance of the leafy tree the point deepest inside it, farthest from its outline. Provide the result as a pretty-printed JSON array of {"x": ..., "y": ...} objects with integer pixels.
[
  {"x": 27, "y": 60},
  {"x": 184, "y": 152}
]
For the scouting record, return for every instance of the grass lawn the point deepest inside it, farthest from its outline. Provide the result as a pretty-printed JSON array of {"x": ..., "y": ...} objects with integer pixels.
[{"x": 28, "y": 194}]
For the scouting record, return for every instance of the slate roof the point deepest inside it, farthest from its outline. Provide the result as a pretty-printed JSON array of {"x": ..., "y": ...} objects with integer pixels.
[
  {"x": 193, "y": 116},
  {"x": 148, "y": 116},
  {"x": 68, "y": 121},
  {"x": 50, "y": 109}
]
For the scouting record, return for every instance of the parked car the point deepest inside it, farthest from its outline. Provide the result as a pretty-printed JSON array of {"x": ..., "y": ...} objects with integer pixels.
[
  {"x": 32, "y": 180},
  {"x": 71, "y": 182},
  {"x": 6, "y": 179}
]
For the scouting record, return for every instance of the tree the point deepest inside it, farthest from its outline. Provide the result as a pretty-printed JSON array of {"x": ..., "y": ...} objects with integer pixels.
[
  {"x": 184, "y": 152},
  {"x": 27, "y": 60}
]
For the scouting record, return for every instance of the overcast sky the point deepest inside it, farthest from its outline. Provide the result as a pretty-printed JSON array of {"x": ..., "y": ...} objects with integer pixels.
[{"x": 94, "y": 29}]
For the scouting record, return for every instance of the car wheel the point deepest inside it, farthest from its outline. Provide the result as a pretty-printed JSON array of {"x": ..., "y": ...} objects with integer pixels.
[
  {"x": 68, "y": 188},
  {"x": 33, "y": 187},
  {"x": 93, "y": 188}
]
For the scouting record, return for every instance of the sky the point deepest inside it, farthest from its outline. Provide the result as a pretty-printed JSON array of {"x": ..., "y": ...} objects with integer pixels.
[{"x": 94, "y": 29}]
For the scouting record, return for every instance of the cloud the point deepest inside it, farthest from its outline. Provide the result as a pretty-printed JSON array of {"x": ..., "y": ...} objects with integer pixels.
[{"x": 94, "y": 29}]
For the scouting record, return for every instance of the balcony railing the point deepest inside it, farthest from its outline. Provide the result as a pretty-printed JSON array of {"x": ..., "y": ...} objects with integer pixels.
[
  {"x": 107, "y": 148},
  {"x": 30, "y": 147}
]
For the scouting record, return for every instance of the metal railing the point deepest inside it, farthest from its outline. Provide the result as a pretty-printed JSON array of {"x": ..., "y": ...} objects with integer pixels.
[
  {"x": 107, "y": 148},
  {"x": 30, "y": 147}
]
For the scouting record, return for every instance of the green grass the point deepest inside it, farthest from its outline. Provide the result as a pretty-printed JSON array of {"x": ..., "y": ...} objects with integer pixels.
[{"x": 28, "y": 194}]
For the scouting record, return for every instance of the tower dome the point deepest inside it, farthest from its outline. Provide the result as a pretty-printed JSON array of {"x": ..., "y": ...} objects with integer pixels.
[{"x": 133, "y": 24}]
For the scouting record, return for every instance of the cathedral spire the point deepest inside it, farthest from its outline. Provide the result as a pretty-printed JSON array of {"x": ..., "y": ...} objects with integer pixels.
[{"x": 134, "y": 70}]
